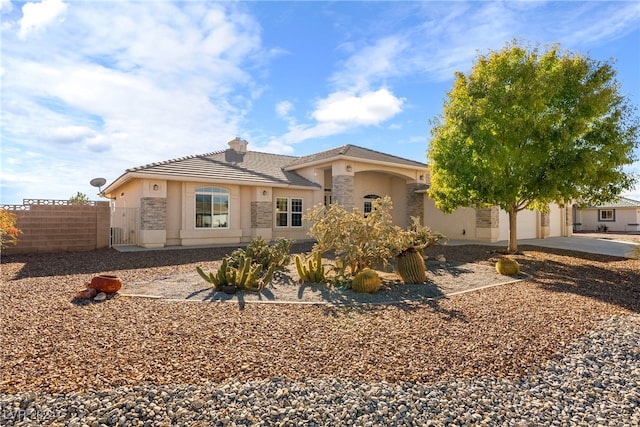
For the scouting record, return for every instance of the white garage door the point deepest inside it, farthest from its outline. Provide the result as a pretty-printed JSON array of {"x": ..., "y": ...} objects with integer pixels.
[
  {"x": 556, "y": 216},
  {"x": 527, "y": 225}
]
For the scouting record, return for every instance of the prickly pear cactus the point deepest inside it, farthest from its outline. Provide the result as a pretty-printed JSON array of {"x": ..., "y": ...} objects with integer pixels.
[
  {"x": 366, "y": 281},
  {"x": 410, "y": 266}
]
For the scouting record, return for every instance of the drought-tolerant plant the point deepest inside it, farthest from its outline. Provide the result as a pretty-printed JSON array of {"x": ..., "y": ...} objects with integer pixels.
[
  {"x": 245, "y": 277},
  {"x": 8, "y": 231},
  {"x": 311, "y": 268},
  {"x": 410, "y": 266},
  {"x": 408, "y": 248},
  {"x": 507, "y": 266},
  {"x": 264, "y": 254},
  {"x": 79, "y": 199},
  {"x": 366, "y": 281},
  {"x": 360, "y": 242},
  {"x": 357, "y": 241}
]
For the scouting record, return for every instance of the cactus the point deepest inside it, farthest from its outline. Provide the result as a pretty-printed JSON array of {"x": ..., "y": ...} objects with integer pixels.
[
  {"x": 507, "y": 266},
  {"x": 219, "y": 279},
  {"x": 312, "y": 269},
  {"x": 366, "y": 281},
  {"x": 410, "y": 266},
  {"x": 245, "y": 277}
]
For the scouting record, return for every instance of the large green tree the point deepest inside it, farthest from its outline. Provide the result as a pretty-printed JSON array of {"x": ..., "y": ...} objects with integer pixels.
[{"x": 527, "y": 127}]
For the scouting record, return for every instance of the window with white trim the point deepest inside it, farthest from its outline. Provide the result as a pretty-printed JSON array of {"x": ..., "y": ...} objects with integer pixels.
[
  {"x": 212, "y": 207},
  {"x": 288, "y": 212},
  {"x": 606, "y": 215}
]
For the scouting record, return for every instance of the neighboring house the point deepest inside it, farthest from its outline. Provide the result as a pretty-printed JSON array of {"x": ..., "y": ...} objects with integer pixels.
[
  {"x": 621, "y": 215},
  {"x": 234, "y": 195}
]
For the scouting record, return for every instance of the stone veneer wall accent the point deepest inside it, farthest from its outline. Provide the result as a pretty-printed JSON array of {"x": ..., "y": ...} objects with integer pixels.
[
  {"x": 261, "y": 214},
  {"x": 342, "y": 190},
  {"x": 415, "y": 203},
  {"x": 487, "y": 217},
  {"x": 545, "y": 225},
  {"x": 545, "y": 219},
  {"x": 153, "y": 213}
]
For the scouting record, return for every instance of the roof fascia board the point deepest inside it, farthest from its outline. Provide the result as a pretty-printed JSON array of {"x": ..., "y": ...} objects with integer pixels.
[
  {"x": 354, "y": 159},
  {"x": 133, "y": 175}
]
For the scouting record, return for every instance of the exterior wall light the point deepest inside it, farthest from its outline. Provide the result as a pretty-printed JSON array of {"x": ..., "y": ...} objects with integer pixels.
[
  {"x": 155, "y": 187},
  {"x": 349, "y": 168}
]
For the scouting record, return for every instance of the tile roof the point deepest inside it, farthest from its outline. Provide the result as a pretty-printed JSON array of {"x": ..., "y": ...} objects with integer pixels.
[
  {"x": 621, "y": 202},
  {"x": 257, "y": 167},
  {"x": 251, "y": 166},
  {"x": 356, "y": 152}
]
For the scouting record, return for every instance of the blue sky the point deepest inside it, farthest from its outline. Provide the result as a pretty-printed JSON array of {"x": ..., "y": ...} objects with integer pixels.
[{"x": 92, "y": 88}]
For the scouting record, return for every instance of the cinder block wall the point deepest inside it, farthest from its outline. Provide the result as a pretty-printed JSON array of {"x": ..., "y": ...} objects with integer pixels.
[{"x": 47, "y": 228}]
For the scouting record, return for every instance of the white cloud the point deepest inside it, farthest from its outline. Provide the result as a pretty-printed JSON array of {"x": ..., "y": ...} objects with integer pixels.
[
  {"x": 283, "y": 109},
  {"x": 69, "y": 134},
  {"x": 339, "y": 113},
  {"x": 36, "y": 16},
  {"x": 5, "y": 6},
  {"x": 370, "y": 108},
  {"x": 371, "y": 63}
]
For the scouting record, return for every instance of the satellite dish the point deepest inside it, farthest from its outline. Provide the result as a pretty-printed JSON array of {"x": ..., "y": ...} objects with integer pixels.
[{"x": 98, "y": 182}]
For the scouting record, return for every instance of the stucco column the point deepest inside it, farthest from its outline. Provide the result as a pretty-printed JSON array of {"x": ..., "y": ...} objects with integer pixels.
[{"x": 487, "y": 224}]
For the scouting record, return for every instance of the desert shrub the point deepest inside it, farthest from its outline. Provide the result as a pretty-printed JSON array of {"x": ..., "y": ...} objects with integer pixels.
[
  {"x": 8, "y": 231},
  {"x": 358, "y": 242},
  {"x": 261, "y": 253}
]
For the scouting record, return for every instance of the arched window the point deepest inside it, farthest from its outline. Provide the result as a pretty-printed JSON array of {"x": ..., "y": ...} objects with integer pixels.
[
  {"x": 368, "y": 203},
  {"x": 212, "y": 207}
]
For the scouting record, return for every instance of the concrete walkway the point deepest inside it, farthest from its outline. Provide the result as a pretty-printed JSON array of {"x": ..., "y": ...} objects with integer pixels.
[{"x": 613, "y": 245}]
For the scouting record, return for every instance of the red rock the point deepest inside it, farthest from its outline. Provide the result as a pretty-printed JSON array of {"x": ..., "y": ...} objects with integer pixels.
[{"x": 86, "y": 293}]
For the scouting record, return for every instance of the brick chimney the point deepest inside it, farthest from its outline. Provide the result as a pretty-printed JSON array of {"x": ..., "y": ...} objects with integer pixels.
[{"x": 239, "y": 145}]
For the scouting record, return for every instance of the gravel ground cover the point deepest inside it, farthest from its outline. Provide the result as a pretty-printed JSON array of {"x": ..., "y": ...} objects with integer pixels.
[{"x": 559, "y": 348}]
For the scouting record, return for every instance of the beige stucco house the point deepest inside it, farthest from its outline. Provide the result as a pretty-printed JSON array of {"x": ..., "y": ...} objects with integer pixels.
[
  {"x": 620, "y": 215},
  {"x": 234, "y": 195}
]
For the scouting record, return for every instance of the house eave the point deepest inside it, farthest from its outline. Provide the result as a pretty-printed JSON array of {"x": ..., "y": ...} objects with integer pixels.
[
  {"x": 126, "y": 177},
  {"x": 342, "y": 157}
]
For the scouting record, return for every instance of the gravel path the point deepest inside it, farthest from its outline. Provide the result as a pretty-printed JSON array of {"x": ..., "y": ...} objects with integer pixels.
[
  {"x": 597, "y": 382},
  {"x": 558, "y": 349}
]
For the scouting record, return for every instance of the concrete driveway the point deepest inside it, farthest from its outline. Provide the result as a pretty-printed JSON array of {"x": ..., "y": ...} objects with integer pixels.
[{"x": 618, "y": 245}]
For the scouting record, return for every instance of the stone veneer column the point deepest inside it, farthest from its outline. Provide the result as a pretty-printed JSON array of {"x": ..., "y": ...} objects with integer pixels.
[
  {"x": 261, "y": 214},
  {"x": 342, "y": 191},
  {"x": 488, "y": 223},
  {"x": 153, "y": 213},
  {"x": 153, "y": 222},
  {"x": 415, "y": 203},
  {"x": 545, "y": 225}
]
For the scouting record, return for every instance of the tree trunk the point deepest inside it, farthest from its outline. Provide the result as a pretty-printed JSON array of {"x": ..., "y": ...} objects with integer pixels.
[{"x": 513, "y": 231}]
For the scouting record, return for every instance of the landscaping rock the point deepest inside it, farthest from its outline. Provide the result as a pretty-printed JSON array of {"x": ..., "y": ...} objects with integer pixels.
[
  {"x": 100, "y": 297},
  {"x": 86, "y": 293}
]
